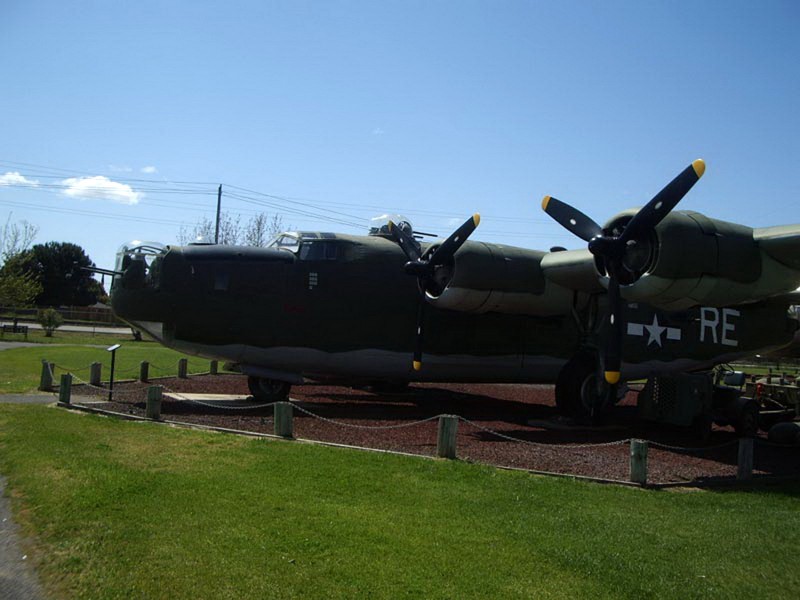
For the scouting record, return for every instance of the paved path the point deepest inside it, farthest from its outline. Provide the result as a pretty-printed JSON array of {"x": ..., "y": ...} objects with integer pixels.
[
  {"x": 41, "y": 398},
  {"x": 18, "y": 580},
  {"x": 81, "y": 328},
  {"x": 9, "y": 345}
]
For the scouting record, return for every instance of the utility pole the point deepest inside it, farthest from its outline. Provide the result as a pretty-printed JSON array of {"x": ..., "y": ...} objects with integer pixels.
[{"x": 219, "y": 205}]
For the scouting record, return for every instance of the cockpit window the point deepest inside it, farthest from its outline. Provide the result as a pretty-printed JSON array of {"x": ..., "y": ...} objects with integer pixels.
[
  {"x": 285, "y": 241},
  {"x": 147, "y": 255}
]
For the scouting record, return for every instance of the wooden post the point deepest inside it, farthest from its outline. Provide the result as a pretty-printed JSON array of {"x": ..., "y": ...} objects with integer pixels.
[
  {"x": 65, "y": 389},
  {"x": 213, "y": 368},
  {"x": 46, "y": 381},
  {"x": 153, "y": 410},
  {"x": 639, "y": 461},
  {"x": 769, "y": 376},
  {"x": 283, "y": 416},
  {"x": 745, "y": 466},
  {"x": 183, "y": 368},
  {"x": 95, "y": 371},
  {"x": 144, "y": 371},
  {"x": 446, "y": 440}
]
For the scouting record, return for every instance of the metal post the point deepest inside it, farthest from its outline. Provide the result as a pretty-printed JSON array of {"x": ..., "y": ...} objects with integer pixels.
[
  {"x": 113, "y": 349},
  {"x": 65, "y": 389},
  {"x": 219, "y": 206},
  {"x": 183, "y": 368},
  {"x": 283, "y": 416},
  {"x": 111, "y": 379},
  {"x": 639, "y": 461},
  {"x": 95, "y": 371},
  {"x": 446, "y": 439},
  {"x": 153, "y": 410},
  {"x": 144, "y": 371},
  {"x": 744, "y": 469},
  {"x": 213, "y": 368}
]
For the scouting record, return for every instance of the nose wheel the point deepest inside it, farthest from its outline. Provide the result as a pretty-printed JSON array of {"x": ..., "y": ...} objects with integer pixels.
[
  {"x": 581, "y": 391},
  {"x": 268, "y": 390}
]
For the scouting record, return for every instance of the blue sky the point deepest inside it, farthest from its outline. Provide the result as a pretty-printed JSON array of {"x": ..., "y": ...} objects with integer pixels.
[{"x": 433, "y": 109}]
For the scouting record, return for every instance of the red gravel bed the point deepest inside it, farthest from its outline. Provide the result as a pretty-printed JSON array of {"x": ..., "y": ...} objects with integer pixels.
[{"x": 504, "y": 409}]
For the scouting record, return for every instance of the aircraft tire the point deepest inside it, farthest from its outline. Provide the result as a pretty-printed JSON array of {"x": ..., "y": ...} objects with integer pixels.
[
  {"x": 576, "y": 390},
  {"x": 268, "y": 390}
]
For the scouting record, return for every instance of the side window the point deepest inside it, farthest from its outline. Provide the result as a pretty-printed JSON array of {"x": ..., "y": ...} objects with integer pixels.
[{"x": 319, "y": 250}]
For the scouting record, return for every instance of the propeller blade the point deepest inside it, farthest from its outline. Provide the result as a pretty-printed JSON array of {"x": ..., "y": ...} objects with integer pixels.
[
  {"x": 445, "y": 252},
  {"x": 418, "y": 340},
  {"x": 616, "y": 318},
  {"x": 571, "y": 218},
  {"x": 405, "y": 241},
  {"x": 664, "y": 201}
]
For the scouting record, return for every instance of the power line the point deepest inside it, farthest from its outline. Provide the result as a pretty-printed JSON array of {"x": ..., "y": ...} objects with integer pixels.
[{"x": 153, "y": 189}]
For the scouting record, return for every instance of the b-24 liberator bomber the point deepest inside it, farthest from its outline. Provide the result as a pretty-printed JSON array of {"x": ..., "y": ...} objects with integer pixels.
[{"x": 656, "y": 291}]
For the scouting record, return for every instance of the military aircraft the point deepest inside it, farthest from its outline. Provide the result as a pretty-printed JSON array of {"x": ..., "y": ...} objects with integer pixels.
[{"x": 655, "y": 291}]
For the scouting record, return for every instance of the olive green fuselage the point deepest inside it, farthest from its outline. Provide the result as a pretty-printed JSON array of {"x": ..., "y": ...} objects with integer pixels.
[{"x": 347, "y": 311}]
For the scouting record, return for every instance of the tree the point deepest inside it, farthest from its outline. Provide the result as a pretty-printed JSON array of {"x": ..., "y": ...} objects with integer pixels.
[
  {"x": 15, "y": 238},
  {"x": 257, "y": 231},
  {"x": 50, "y": 320},
  {"x": 57, "y": 268},
  {"x": 18, "y": 290}
]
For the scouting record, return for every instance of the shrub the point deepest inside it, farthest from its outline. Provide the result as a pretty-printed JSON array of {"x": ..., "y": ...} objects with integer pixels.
[{"x": 50, "y": 320}]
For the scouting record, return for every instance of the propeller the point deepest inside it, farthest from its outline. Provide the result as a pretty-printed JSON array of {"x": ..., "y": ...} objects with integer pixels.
[
  {"x": 425, "y": 267},
  {"x": 612, "y": 248}
]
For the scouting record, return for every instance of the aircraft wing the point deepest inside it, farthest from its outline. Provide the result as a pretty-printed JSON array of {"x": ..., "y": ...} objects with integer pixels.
[{"x": 692, "y": 260}]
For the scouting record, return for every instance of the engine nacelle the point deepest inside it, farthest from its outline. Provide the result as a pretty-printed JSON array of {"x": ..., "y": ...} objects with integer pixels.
[
  {"x": 497, "y": 278},
  {"x": 697, "y": 260}
]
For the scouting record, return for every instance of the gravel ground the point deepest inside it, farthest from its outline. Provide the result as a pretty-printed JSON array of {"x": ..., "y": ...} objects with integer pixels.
[{"x": 486, "y": 410}]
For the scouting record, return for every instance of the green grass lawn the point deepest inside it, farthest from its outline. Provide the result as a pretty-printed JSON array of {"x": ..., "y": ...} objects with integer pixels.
[
  {"x": 122, "y": 510},
  {"x": 20, "y": 368}
]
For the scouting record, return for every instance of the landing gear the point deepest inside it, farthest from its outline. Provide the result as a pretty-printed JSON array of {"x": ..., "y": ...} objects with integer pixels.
[
  {"x": 578, "y": 394},
  {"x": 268, "y": 390}
]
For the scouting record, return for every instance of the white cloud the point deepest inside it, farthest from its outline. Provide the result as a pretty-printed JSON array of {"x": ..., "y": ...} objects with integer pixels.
[
  {"x": 149, "y": 169},
  {"x": 101, "y": 188},
  {"x": 15, "y": 178},
  {"x": 378, "y": 131}
]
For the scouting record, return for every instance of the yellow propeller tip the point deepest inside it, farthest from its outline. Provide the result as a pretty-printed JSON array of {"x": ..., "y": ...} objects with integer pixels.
[
  {"x": 390, "y": 225},
  {"x": 476, "y": 218},
  {"x": 417, "y": 365},
  {"x": 699, "y": 167},
  {"x": 612, "y": 377},
  {"x": 545, "y": 201}
]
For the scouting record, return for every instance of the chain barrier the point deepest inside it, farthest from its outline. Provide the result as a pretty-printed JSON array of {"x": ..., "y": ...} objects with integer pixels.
[
  {"x": 691, "y": 450},
  {"x": 354, "y": 426},
  {"x": 181, "y": 398},
  {"x": 114, "y": 393},
  {"x": 70, "y": 369},
  {"x": 543, "y": 444}
]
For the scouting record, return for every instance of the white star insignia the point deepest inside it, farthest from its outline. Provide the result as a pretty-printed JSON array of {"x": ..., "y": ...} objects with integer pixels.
[{"x": 655, "y": 330}]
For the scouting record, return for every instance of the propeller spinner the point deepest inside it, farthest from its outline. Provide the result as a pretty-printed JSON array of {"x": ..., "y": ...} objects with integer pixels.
[
  {"x": 612, "y": 248},
  {"x": 425, "y": 266}
]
